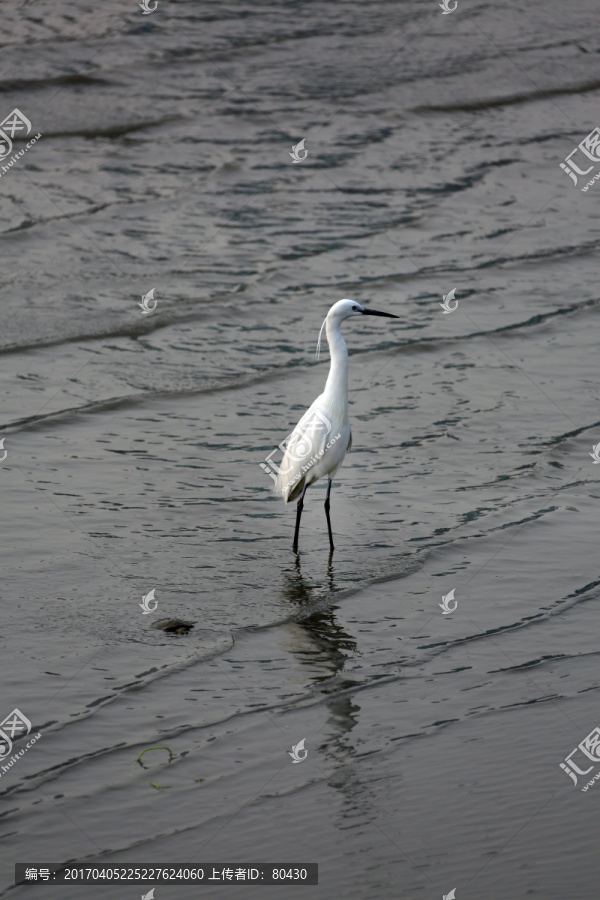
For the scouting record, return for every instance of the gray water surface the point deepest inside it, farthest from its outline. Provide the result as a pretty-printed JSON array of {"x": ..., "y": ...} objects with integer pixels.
[{"x": 134, "y": 443}]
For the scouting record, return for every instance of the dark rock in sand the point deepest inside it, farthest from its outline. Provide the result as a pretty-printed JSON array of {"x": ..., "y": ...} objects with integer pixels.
[{"x": 174, "y": 626}]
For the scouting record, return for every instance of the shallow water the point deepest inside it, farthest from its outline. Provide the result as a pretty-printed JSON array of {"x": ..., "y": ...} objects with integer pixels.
[{"x": 134, "y": 443}]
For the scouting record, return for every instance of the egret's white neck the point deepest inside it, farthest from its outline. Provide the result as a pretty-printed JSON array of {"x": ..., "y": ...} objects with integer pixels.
[{"x": 336, "y": 386}]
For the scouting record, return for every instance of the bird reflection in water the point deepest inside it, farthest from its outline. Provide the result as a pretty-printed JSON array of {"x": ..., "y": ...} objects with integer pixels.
[
  {"x": 321, "y": 645},
  {"x": 316, "y": 638}
]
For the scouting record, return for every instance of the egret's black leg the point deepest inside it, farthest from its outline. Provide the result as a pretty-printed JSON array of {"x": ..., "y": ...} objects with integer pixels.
[
  {"x": 331, "y": 547},
  {"x": 299, "y": 508}
]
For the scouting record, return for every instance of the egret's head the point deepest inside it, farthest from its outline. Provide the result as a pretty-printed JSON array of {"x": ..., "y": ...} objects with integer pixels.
[{"x": 343, "y": 309}]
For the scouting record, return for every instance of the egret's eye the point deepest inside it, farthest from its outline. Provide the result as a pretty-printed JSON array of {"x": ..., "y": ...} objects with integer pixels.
[{"x": 355, "y": 308}]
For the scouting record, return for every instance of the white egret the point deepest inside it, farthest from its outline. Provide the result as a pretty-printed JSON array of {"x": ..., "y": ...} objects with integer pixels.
[{"x": 320, "y": 440}]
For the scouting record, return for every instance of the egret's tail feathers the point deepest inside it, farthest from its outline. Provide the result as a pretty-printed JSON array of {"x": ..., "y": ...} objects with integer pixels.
[
  {"x": 293, "y": 491},
  {"x": 287, "y": 487},
  {"x": 279, "y": 487}
]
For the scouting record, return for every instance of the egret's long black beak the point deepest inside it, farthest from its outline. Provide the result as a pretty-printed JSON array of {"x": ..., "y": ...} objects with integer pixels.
[{"x": 375, "y": 312}]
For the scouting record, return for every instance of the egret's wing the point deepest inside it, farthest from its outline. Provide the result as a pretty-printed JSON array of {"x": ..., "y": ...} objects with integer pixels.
[{"x": 305, "y": 445}]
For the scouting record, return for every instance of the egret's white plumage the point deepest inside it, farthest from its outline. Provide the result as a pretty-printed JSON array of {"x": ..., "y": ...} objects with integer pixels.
[{"x": 321, "y": 439}]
